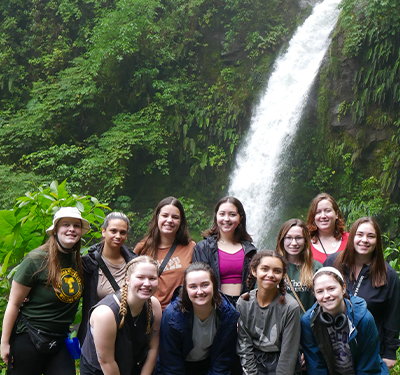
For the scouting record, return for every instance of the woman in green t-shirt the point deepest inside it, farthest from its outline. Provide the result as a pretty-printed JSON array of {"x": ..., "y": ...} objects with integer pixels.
[
  {"x": 294, "y": 244},
  {"x": 44, "y": 297}
]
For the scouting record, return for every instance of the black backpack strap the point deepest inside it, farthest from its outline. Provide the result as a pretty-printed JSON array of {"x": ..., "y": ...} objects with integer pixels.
[
  {"x": 106, "y": 271},
  {"x": 167, "y": 258}
]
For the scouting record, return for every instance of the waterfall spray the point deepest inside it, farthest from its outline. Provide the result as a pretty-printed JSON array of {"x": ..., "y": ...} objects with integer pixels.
[{"x": 275, "y": 120}]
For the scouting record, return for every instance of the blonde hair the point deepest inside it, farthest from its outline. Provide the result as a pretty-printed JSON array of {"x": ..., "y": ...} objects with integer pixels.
[{"x": 130, "y": 268}]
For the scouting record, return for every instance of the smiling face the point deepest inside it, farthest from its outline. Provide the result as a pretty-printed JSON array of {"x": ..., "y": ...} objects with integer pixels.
[
  {"x": 169, "y": 220},
  {"x": 269, "y": 273},
  {"x": 69, "y": 231},
  {"x": 115, "y": 234},
  {"x": 227, "y": 218},
  {"x": 365, "y": 240},
  {"x": 143, "y": 282},
  {"x": 199, "y": 288},
  {"x": 293, "y": 242},
  {"x": 325, "y": 216},
  {"x": 329, "y": 294}
]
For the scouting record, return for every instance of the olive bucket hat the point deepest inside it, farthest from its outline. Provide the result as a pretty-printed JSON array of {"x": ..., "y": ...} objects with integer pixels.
[{"x": 69, "y": 212}]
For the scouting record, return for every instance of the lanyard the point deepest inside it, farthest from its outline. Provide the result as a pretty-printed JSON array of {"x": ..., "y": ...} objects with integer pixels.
[{"x": 358, "y": 285}]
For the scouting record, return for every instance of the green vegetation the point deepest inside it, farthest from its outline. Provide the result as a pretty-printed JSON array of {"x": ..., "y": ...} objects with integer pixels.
[
  {"x": 351, "y": 147},
  {"x": 23, "y": 228},
  {"x": 134, "y": 98}
]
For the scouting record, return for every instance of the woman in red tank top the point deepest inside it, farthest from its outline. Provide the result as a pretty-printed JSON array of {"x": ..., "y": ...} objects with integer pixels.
[{"x": 326, "y": 226}]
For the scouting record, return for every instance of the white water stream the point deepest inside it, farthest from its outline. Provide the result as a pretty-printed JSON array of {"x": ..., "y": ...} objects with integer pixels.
[{"x": 275, "y": 120}]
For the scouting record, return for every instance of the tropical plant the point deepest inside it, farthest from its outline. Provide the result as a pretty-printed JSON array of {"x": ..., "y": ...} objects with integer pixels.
[{"x": 23, "y": 228}]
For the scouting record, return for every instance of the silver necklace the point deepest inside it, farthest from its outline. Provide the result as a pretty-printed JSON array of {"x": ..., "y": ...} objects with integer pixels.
[{"x": 134, "y": 323}]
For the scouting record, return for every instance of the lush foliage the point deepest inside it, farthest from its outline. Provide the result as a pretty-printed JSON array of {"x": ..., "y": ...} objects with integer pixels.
[
  {"x": 23, "y": 228},
  {"x": 115, "y": 95},
  {"x": 351, "y": 146}
]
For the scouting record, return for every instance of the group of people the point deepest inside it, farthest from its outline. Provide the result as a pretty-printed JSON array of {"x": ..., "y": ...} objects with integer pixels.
[{"x": 323, "y": 302}]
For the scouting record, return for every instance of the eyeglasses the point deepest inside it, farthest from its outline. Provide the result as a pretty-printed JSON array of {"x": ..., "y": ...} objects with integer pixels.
[{"x": 298, "y": 240}]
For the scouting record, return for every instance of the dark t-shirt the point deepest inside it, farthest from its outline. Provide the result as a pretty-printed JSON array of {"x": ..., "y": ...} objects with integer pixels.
[
  {"x": 341, "y": 348},
  {"x": 45, "y": 308},
  {"x": 305, "y": 295}
]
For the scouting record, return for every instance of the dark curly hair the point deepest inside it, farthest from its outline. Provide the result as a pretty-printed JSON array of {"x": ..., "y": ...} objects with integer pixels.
[{"x": 251, "y": 280}]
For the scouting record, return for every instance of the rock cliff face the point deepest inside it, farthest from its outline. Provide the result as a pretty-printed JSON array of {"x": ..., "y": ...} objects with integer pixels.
[
  {"x": 368, "y": 140},
  {"x": 348, "y": 143},
  {"x": 340, "y": 83}
]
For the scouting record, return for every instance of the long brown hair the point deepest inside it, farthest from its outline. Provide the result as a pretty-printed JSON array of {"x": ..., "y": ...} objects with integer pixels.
[
  {"x": 129, "y": 269},
  {"x": 53, "y": 265},
  {"x": 305, "y": 257},
  {"x": 251, "y": 280},
  {"x": 312, "y": 227},
  {"x": 240, "y": 231},
  {"x": 347, "y": 258},
  {"x": 153, "y": 238},
  {"x": 185, "y": 303}
]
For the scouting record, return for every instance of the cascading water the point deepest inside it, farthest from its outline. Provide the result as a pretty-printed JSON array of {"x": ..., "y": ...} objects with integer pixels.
[{"x": 274, "y": 122}]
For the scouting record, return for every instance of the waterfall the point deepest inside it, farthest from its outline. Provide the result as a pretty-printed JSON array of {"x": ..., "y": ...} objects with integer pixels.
[{"x": 275, "y": 120}]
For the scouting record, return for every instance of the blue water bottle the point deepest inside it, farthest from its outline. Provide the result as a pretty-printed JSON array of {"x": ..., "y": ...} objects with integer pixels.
[{"x": 73, "y": 346}]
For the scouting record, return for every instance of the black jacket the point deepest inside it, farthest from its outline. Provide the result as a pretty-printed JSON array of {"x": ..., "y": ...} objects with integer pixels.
[
  {"x": 176, "y": 340},
  {"x": 207, "y": 251},
  {"x": 90, "y": 281}
]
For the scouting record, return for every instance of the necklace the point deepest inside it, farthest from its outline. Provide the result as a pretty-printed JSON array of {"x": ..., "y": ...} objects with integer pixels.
[{"x": 134, "y": 323}]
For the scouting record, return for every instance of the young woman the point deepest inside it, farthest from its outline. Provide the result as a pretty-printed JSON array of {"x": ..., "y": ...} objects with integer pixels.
[
  {"x": 199, "y": 328},
  {"x": 44, "y": 296},
  {"x": 338, "y": 333},
  {"x": 269, "y": 322},
  {"x": 123, "y": 334},
  {"x": 227, "y": 248},
  {"x": 326, "y": 226},
  {"x": 168, "y": 231},
  {"x": 367, "y": 275},
  {"x": 114, "y": 256},
  {"x": 295, "y": 245}
]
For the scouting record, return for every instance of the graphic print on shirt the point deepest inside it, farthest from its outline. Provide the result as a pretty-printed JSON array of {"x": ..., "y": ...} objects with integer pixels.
[
  {"x": 341, "y": 348},
  {"x": 71, "y": 286},
  {"x": 173, "y": 264},
  {"x": 298, "y": 287},
  {"x": 264, "y": 342}
]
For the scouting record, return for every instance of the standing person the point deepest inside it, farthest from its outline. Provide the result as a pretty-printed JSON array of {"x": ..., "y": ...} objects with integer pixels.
[
  {"x": 295, "y": 245},
  {"x": 338, "y": 333},
  {"x": 168, "y": 239},
  {"x": 326, "y": 226},
  {"x": 227, "y": 248},
  {"x": 199, "y": 328},
  {"x": 123, "y": 332},
  {"x": 44, "y": 296},
  {"x": 105, "y": 261},
  {"x": 369, "y": 276},
  {"x": 269, "y": 322}
]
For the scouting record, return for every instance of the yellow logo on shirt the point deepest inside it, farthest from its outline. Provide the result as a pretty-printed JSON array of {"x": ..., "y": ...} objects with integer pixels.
[{"x": 71, "y": 286}]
